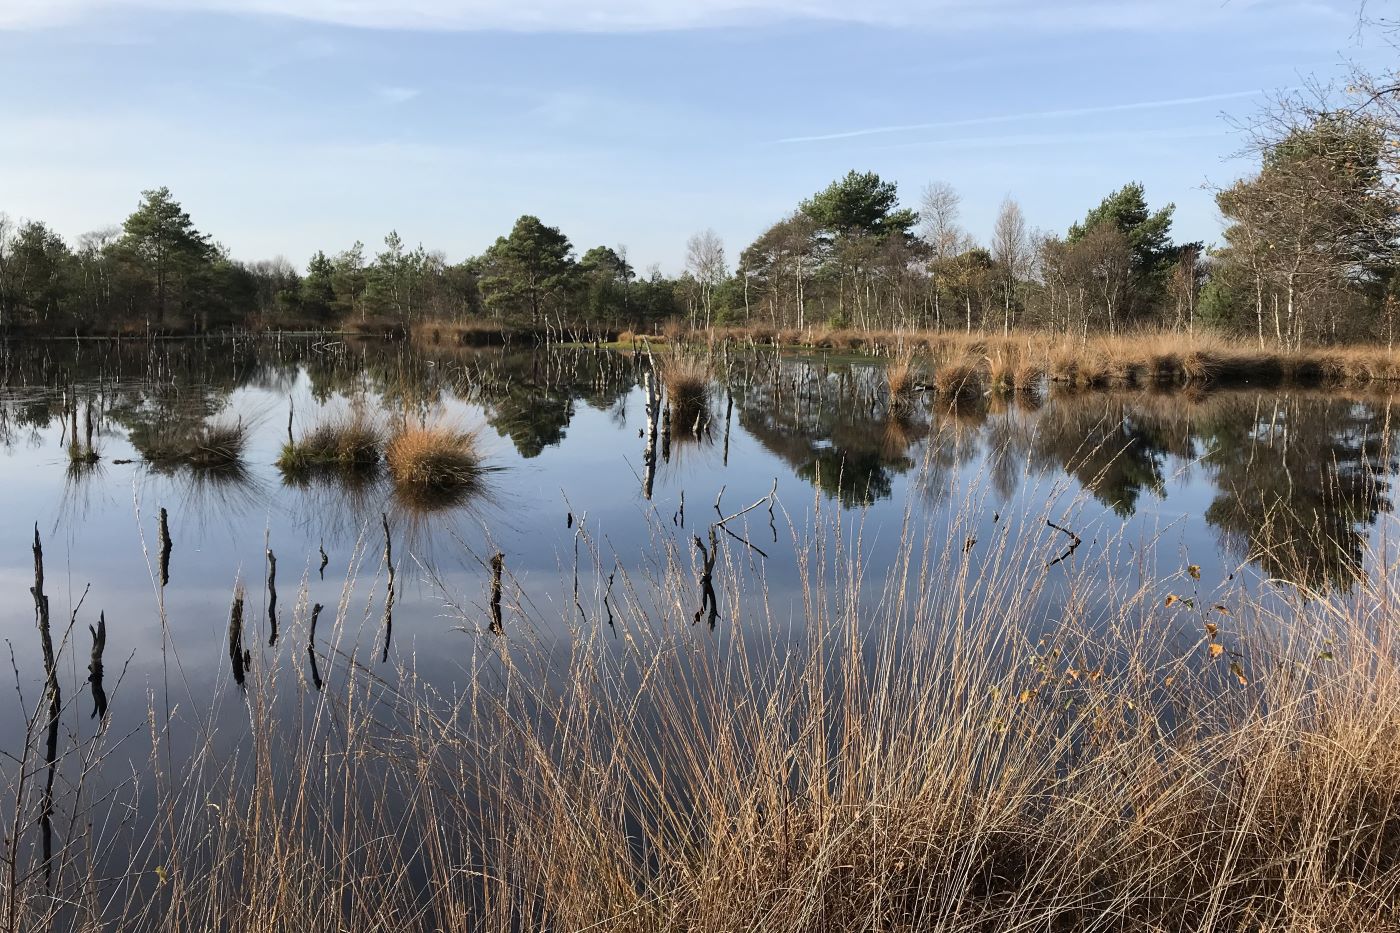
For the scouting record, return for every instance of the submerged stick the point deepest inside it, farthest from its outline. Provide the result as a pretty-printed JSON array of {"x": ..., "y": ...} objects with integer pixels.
[
  {"x": 728, "y": 419},
  {"x": 497, "y": 563},
  {"x": 54, "y": 694},
  {"x": 606, "y": 605},
  {"x": 99, "y": 645},
  {"x": 239, "y": 657},
  {"x": 1073, "y": 545},
  {"x": 389, "y": 597},
  {"x": 311, "y": 647},
  {"x": 708, "y": 602},
  {"x": 272, "y": 595},
  {"x": 325, "y": 559},
  {"x": 165, "y": 546}
]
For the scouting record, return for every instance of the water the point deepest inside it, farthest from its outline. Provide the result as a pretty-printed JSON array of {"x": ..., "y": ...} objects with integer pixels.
[{"x": 1286, "y": 489}]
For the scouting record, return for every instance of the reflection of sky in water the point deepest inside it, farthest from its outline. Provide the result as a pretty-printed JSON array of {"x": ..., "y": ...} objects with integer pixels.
[{"x": 1203, "y": 478}]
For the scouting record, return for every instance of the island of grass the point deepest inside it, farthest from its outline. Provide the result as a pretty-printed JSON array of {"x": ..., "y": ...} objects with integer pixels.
[{"x": 349, "y": 444}]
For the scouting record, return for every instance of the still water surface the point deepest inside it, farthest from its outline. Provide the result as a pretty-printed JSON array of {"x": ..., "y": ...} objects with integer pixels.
[{"x": 1287, "y": 488}]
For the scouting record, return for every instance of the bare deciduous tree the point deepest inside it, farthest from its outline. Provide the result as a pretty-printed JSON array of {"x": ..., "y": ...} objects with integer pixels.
[
  {"x": 1011, "y": 251},
  {"x": 939, "y": 210},
  {"x": 704, "y": 259}
]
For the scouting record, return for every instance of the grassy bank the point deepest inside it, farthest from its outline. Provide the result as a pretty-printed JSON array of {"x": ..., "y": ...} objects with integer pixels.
[
  {"x": 1019, "y": 358},
  {"x": 965, "y": 738}
]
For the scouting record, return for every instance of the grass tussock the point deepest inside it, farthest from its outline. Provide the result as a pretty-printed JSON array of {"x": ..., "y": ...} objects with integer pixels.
[
  {"x": 426, "y": 460},
  {"x": 957, "y": 378},
  {"x": 903, "y": 376},
  {"x": 349, "y": 443},
  {"x": 687, "y": 381},
  {"x": 206, "y": 446}
]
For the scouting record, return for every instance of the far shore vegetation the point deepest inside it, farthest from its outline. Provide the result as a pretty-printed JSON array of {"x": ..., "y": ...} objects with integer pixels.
[{"x": 1308, "y": 258}]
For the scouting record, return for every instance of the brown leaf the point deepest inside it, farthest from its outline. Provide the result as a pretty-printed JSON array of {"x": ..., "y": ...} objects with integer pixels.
[
  {"x": 1238, "y": 671},
  {"x": 1216, "y": 649},
  {"x": 1195, "y": 571},
  {"x": 1171, "y": 600},
  {"x": 1212, "y": 629}
]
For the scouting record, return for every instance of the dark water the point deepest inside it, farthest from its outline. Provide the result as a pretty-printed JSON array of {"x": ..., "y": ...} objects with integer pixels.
[{"x": 1284, "y": 487}]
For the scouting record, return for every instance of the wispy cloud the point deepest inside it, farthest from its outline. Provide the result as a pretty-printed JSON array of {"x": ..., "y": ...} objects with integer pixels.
[
  {"x": 396, "y": 95},
  {"x": 1060, "y": 114},
  {"x": 637, "y": 15}
]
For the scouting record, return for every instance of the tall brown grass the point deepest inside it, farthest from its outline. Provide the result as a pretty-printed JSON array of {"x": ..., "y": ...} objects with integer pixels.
[
  {"x": 923, "y": 747},
  {"x": 687, "y": 380},
  {"x": 1099, "y": 360},
  {"x": 433, "y": 458},
  {"x": 903, "y": 374}
]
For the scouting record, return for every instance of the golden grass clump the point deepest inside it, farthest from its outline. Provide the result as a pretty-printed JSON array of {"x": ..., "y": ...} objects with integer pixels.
[
  {"x": 903, "y": 374},
  {"x": 687, "y": 381},
  {"x": 957, "y": 378},
  {"x": 434, "y": 459}
]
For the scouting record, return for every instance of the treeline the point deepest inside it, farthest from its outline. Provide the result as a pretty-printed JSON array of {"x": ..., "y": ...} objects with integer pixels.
[
  {"x": 158, "y": 273},
  {"x": 1309, "y": 254}
]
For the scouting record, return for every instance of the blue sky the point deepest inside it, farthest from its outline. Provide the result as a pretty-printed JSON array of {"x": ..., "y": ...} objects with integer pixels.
[{"x": 285, "y": 126}]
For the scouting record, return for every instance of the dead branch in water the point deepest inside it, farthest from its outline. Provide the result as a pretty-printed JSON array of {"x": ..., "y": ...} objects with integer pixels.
[
  {"x": 1073, "y": 546},
  {"x": 165, "y": 547},
  {"x": 311, "y": 647},
  {"x": 708, "y": 602},
  {"x": 272, "y": 595},
  {"x": 497, "y": 563},
  {"x": 239, "y": 657},
  {"x": 99, "y": 645},
  {"x": 389, "y": 596},
  {"x": 54, "y": 694}
]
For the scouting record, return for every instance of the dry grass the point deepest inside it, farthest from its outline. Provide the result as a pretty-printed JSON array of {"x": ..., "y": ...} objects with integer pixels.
[
  {"x": 687, "y": 380},
  {"x": 1101, "y": 361},
  {"x": 349, "y": 443},
  {"x": 957, "y": 378},
  {"x": 427, "y": 459},
  {"x": 903, "y": 374},
  {"x": 207, "y": 446},
  {"x": 918, "y": 749}
]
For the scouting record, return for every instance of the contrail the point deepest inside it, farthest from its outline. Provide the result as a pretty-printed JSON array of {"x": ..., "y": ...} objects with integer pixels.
[{"x": 1011, "y": 118}]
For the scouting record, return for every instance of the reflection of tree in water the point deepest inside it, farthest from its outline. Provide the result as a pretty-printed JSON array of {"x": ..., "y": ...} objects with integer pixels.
[
  {"x": 1114, "y": 450},
  {"x": 1300, "y": 479},
  {"x": 529, "y": 395},
  {"x": 827, "y": 432}
]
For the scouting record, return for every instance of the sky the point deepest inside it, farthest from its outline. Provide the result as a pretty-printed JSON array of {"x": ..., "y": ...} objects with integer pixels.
[{"x": 288, "y": 126}]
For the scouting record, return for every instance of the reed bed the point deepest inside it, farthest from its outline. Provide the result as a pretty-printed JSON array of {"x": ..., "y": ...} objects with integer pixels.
[
  {"x": 1098, "y": 361},
  {"x": 959, "y": 738}
]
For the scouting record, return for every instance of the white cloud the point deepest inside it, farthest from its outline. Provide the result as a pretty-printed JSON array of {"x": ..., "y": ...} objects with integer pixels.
[
  {"x": 637, "y": 15},
  {"x": 1021, "y": 117},
  {"x": 396, "y": 95}
]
